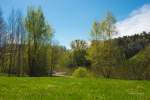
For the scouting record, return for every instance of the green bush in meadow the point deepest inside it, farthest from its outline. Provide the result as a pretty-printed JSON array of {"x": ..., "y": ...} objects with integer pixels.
[{"x": 80, "y": 72}]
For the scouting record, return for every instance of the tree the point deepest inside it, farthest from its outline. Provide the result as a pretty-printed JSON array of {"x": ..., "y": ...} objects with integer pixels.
[
  {"x": 2, "y": 40},
  {"x": 65, "y": 60},
  {"x": 53, "y": 55},
  {"x": 79, "y": 53},
  {"x": 95, "y": 32},
  {"x": 20, "y": 43},
  {"x": 131, "y": 45},
  {"x": 11, "y": 48},
  {"x": 16, "y": 43},
  {"x": 104, "y": 53},
  {"x": 2, "y": 28},
  {"x": 107, "y": 26},
  {"x": 79, "y": 44},
  {"x": 39, "y": 35}
]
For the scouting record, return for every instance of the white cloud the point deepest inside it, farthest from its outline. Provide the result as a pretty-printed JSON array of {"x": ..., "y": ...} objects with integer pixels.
[{"x": 138, "y": 21}]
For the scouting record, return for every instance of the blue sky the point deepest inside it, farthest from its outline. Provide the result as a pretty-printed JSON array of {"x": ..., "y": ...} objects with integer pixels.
[{"x": 72, "y": 19}]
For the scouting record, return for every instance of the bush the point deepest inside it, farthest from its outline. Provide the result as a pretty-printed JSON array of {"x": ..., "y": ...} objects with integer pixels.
[{"x": 80, "y": 72}]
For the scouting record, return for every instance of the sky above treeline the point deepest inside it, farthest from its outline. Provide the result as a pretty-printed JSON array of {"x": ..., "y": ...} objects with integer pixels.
[{"x": 72, "y": 19}]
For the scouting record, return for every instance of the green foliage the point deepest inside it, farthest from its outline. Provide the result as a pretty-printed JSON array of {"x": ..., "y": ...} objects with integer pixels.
[
  {"x": 80, "y": 72},
  {"x": 28, "y": 49},
  {"x": 39, "y": 36},
  {"x": 140, "y": 64},
  {"x": 104, "y": 52},
  {"x": 105, "y": 29},
  {"x": 76, "y": 56},
  {"x": 65, "y": 60},
  {"x": 95, "y": 32},
  {"x": 55, "y": 57},
  {"x": 79, "y": 45},
  {"x": 109, "y": 25},
  {"x": 104, "y": 55}
]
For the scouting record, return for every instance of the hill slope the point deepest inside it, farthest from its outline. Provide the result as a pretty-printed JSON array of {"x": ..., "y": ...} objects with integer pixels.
[{"x": 140, "y": 64}]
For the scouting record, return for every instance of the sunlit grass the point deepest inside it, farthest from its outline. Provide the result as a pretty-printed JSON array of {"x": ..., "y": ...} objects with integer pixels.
[{"x": 65, "y": 88}]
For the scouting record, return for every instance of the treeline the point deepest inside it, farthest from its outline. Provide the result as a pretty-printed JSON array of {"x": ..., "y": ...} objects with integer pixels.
[
  {"x": 124, "y": 57},
  {"x": 27, "y": 48},
  {"x": 131, "y": 45},
  {"x": 25, "y": 43}
]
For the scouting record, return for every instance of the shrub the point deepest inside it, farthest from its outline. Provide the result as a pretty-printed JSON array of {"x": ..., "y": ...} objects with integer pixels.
[{"x": 80, "y": 72}]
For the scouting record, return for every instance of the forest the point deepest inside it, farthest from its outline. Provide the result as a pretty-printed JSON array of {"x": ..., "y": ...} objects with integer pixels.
[{"x": 27, "y": 48}]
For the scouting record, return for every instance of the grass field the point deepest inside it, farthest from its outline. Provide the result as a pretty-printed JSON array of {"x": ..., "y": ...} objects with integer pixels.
[{"x": 60, "y": 88}]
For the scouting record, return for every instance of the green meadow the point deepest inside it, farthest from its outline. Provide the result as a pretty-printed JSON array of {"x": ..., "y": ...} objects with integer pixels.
[{"x": 68, "y": 88}]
